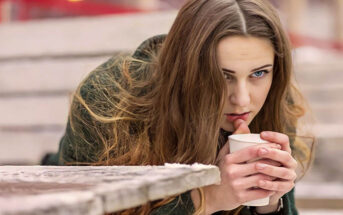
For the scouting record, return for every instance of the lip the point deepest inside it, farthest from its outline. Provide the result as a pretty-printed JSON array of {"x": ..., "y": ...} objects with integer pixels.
[{"x": 232, "y": 118}]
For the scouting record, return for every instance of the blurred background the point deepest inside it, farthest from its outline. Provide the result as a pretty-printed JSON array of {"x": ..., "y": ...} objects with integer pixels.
[{"x": 48, "y": 46}]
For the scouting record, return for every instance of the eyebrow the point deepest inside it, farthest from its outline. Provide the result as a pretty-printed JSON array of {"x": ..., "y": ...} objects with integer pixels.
[{"x": 256, "y": 69}]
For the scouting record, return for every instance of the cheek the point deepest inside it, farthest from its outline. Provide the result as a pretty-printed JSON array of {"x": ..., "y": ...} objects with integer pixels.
[{"x": 260, "y": 93}]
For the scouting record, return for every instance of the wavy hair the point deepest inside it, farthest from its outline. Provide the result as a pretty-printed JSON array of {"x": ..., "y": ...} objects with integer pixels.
[{"x": 166, "y": 106}]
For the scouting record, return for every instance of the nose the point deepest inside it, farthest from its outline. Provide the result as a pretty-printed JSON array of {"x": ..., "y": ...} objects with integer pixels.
[{"x": 239, "y": 94}]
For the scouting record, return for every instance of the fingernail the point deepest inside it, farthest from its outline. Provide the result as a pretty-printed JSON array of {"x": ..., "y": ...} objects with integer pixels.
[
  {"x": 263, "y": 151},
  {"x": 261, "y": 166}
]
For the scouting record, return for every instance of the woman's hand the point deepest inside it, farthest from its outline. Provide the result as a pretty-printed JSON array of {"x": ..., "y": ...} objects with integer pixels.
[
  {"x": 285, "y": 174},
  {"x": 238, "y": 178}
]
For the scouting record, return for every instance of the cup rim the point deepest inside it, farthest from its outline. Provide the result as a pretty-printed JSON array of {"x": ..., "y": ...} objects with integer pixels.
[{"x": 235, "y": 137}]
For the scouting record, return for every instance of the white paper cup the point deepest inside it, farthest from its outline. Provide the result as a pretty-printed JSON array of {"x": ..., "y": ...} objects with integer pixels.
[{"x": 241, "y": 141}]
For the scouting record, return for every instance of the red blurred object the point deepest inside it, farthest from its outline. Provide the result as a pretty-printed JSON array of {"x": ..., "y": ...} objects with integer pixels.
[
  {"x": 23, "y": 10},
  {"x": 33, "y": 9}
]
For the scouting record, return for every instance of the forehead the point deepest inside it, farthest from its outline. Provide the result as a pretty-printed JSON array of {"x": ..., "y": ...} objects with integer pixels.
[{"x": 243, "y": 51}]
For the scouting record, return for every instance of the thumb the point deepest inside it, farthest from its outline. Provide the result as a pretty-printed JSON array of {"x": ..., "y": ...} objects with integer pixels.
[
  {"x": 223, "y": 151},
  {"x": 241, "y": 127}
]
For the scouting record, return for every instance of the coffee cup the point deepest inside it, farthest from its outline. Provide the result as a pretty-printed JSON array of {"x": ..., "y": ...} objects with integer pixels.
[{"x": 241, "y": 141}]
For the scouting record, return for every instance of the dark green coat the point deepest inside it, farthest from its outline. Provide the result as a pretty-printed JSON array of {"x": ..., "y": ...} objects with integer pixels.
[{"x": 83, "y": 145}]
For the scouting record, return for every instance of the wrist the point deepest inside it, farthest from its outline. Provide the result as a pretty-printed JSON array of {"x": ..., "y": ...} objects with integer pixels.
[{"x": 269, "y": 209}]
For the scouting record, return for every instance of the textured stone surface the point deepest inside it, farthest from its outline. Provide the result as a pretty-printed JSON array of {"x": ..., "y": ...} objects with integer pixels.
[{"x": 94, "y": 190}]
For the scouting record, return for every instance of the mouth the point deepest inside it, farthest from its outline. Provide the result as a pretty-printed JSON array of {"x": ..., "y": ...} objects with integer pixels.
[
  {"x": 234, "y": 116},
  {"x": 237, "y": 114}
]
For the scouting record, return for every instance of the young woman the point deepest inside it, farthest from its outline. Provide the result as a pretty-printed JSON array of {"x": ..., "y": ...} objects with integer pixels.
[{"x": 225, "y": 67}]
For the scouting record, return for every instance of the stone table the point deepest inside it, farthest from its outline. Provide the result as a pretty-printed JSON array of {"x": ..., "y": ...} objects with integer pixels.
[{"x": 92, "y": 190}]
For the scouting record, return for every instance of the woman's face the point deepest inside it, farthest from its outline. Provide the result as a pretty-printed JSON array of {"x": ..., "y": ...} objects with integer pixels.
[{"x": 247, "y": 64}]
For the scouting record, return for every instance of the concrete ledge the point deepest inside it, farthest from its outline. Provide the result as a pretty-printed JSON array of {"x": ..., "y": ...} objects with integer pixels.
[{"x": 95, "y": 190}]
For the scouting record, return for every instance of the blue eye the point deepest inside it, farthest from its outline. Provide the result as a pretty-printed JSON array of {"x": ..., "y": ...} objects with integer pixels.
[
  {"x": 255, "y": 75},
  {"x": 260, "y": 74}
]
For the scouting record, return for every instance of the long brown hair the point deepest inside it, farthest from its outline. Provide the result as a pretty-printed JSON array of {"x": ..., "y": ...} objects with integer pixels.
[{"x": 167, "y": 107}]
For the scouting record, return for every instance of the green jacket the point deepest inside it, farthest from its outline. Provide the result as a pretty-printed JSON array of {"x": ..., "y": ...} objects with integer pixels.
[{"x": 83, "y": 145}]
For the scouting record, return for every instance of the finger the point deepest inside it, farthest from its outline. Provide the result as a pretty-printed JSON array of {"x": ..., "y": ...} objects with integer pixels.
[
  {"x": 250, "y": 182},
  {"x": 241, "y": 127},
  {"x": 278, "y": 186},
  {"x": 279, "y": 172},
  {"x": 279, "y": 138},
  {"x": 234, "y": 171},
  {"x": 270, "y": 162},
  {"x": 248, "y": 153},
  {"x": 283, "y": 157}
]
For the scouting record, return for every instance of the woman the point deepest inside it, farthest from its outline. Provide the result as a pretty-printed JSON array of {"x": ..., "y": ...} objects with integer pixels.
[{"x": 225, "y": 67}]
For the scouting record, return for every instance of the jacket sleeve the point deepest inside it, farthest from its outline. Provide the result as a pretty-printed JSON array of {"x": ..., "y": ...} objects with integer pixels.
[
  {"x": 184, "y": 205},
  {"x": 289, "y": 204}
]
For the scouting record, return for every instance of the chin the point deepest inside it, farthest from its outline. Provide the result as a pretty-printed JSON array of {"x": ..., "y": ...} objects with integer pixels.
[{"x": 228, "y": 127}]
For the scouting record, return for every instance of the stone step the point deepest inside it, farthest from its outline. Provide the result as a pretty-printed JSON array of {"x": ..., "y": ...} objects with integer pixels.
[
  {"x": 106, "y": 34},
  {"x": 44, "y": 139},
  {"x": 29, "y": 111},
  {"x": 327, "y": 163},
  {"x": 331, "y": 64},
  {"x": 319, "y": 190},
  {"x": 328, "y": 93},
  {"x": 328, "y": 130},
  {"x": 328, "y": 160},
  {"x": 319, "y": 196},
  {"x": 311, "y": 59},
  {"x": 49, "y": 75},
  {"x": 53, "y": 109},
  {"x": 323, "y": 76},
  {"x": 44, "y": 76},
  {"x": 320, "y": 212},
  {"x": 28, "y": 147},
  {"x": 324, "y": 96},
  {"x": 329, "y": 113}
]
